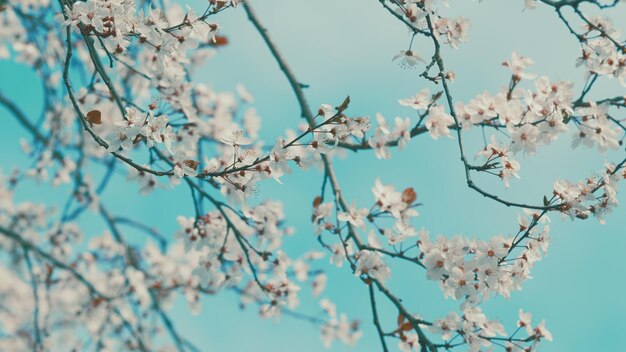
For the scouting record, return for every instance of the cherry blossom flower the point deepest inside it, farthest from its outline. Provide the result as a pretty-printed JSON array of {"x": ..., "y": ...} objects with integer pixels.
[
  {"x": 541, "y": 331},
  {"x": 123, "y": 137},
  {"x": 183, "y": 166},
  {"x": 279, "y": 157},
  {"x": 147, "y": 182},
  {"x": 518, "y": 64},
  {"x": 90, "y": 14},
  {"x": 525, "y": 139},
  {"x": 403, "y": 131},
  {"x": 408, "y": 58},
  {"x": 372, "y": 265},
  {"x": 235, "y": 138},
  {"x": 338, "y": 252},
  {"x": 420, "y": 101},
  {"x": 446, "y": 326},
  {"x": 524, "y": 321},
  {"x": 453, "y": 31},
  {"x": 157, "y": 130},
  {"x": 379, "y": 143},
  {"x": 438, "y": 122},
  {"x": 354, "y": 216}
]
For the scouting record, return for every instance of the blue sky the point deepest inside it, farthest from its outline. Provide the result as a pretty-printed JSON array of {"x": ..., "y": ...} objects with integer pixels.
[{"x": 345, "y": 48}]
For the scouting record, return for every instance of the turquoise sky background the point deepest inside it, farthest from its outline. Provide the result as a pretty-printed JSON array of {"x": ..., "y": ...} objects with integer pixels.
[{"x": 345, "y": 48}]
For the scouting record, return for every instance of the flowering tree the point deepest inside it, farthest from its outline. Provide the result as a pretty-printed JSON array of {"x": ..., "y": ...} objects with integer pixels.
[{"x": 118, "y": 85}]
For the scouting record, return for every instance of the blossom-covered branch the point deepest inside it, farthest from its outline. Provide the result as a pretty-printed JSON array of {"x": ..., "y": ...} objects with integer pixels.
[{"x": 122, "y": 102}]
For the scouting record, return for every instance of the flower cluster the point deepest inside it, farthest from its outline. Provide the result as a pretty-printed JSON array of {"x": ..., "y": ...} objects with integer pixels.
[
  {"x": 602, "y": 53},
  {"x": 474, "y": 270},
  {"x": 498, "y": 157},
  {"x": 469, "y": 269},
  {"x": 578, "y": 200},
  {"x": 481, "y": 333},
  {"x": 164, "y": 40},
  {"x": 338, "y": 327}
]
